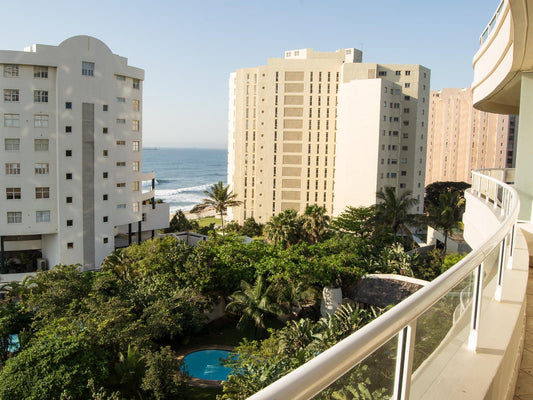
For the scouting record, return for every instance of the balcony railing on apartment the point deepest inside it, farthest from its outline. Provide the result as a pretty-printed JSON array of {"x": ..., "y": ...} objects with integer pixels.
[
  {"x": 401, "y": 352},
  {"x": 492, "y": 24}
]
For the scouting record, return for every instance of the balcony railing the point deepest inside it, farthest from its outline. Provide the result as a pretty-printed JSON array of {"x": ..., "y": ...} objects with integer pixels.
[
  {"x": 492, "y": 24},
  {"x": 410, "y": 344}
]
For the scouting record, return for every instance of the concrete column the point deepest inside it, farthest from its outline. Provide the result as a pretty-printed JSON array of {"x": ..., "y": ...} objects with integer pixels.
[
  {"x": 129, "y": 233},
  {"x": 524, "y": 162}
]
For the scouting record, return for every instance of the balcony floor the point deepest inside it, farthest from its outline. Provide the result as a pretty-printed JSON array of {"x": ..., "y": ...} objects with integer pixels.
[{"x": 524, "y": 385}]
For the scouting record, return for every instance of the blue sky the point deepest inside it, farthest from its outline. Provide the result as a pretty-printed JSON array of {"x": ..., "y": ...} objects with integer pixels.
[{"x": 188, "y": 48}]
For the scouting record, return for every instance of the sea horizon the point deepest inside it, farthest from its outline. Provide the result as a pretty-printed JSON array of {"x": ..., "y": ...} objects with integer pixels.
[{"x": 182, "y": 174}]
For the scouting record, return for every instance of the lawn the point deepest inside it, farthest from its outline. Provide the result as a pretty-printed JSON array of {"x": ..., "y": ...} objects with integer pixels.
[{"x": 208, "y": 221}]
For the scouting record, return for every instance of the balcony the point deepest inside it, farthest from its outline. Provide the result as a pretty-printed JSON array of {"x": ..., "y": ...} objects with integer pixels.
[
  {"x": 460, "y": 336},
  {"x": 501, "y": 58}
]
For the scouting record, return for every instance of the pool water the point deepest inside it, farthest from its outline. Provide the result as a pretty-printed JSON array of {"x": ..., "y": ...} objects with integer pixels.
[{"x": 206, "y": 364}]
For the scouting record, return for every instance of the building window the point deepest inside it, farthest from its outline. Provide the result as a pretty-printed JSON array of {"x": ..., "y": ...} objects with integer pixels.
[
  {"x": 105, "y": 153},
  {"x": 87, "y": 68},
  {"x": 135, "y": 186},
  {"x": 40, "y": 72},
  {"x": 106, "y": 240},
  {"x": 121, "y": 99},
  {"x": 11, "y": 95},
  {"x": 382, "y": 73},
  {"x": 120, "y": 142},
  {"x": 398, "y": 73},
  {"x": 70, "y": 222},
  {"x": 407, "y": 73},
  {"x": 105, "y": 107},
  {"x": 12, "y": 168},
  {"x": 68, "y": 153},
  {"x": 120, "y": 77},
  {"x": 121, "y": 163},
  {"x": 13, "y": 193},
  {"x": 41, "y": 168},
  {"x": 12, "y": 120},
  {"x": 121, "y": 121},
  {"x": 14, "y": 217},
  {"x": 105, "y": 197},
  {"x": 40, "y": 96},
  {"x": 135, "y": 206},
  {"x": 121, "y": 184},
  {"x": 105, "y": 175},
  {"x": 123, "y": 205},
  {"x": 105, "y": 218},
  {"x": 42, "y": 216},
  {"x": 135, "y": 125},
  {"x": 407, "y": 85},
  {"x": 135, "y": 105},
  {"x": 135, "y": 165},
  {"x": 68, "y": 105},
  {"x": 40, "y": 144},
  {"x": 70, "y": 245},
  {"x": 12, "y": 144},
  {"x": 136, "y": 84},
  {"x": 68, "y": 129},
  {"x": 40, "y": 121},
  {"x": 136, "y": 145},
  {"x": 42, "y": 192},
  {"x": 68, "y": 175},
  {"x": 11, "y": 71},
  {"x": 104, "y": 130},
  {"x": 69, "y": 200}
]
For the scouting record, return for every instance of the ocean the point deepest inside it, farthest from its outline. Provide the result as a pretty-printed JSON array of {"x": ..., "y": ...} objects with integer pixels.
[{"x": 182, "y": 175}]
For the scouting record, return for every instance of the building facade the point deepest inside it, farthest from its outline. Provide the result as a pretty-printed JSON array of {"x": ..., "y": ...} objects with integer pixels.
[
  {"x": 461, "y": 138},
  {"x": 71, "y": 151},
  {"x": 324, "y": 128}
]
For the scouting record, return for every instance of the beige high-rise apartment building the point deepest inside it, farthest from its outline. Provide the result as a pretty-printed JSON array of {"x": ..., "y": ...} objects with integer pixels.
[
  {"x": 324, "y": 128},
  {"x": 461, "y": 138}
]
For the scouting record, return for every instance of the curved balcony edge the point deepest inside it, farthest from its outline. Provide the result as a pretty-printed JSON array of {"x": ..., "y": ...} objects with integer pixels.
[{"x": 488, "y": 350}]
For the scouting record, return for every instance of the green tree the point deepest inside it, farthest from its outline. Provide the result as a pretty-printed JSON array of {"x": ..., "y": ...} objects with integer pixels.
[
  {"x": 129, "y": 372},
  {"x": 315, "y": 223},
  {"x": 446, "y": 214},
  {"x": 219, "y": 197},
  {"x": 359, "y": 221},
  {"x": 254, "y": 303},
  {"x": 393, "y": 211},
  {"x": 52, "y": 365},
  {"x": 163, "y": 378},
  {"x": 284, "y": 228},
  {"x": 251, "y": 228},
  {"x": 180, "y": 223},
  {"x": 433, "y": 191}
]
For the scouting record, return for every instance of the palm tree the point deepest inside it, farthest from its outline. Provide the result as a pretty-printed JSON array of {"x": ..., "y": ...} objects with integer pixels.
[
  {"x": 393, "y": 211},
  {"x": 283, "y": 228},
  {"x": 253, "y": 303},
  {"x": 447, "y": 214},
  {"x": 315, "y": 223},
  {"x": 219, "y": 197}
]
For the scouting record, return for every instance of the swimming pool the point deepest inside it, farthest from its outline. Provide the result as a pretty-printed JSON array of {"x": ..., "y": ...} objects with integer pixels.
[{"x": 206, "y": 364}]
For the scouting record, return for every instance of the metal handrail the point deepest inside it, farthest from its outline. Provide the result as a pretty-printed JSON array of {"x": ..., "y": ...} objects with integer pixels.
[
  {"x": 317, "y": 374},
  {"x": 492, "y": 24}
]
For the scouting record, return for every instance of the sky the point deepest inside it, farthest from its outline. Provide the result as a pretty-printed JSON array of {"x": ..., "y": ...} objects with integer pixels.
[{"x": 189, "y": 48}]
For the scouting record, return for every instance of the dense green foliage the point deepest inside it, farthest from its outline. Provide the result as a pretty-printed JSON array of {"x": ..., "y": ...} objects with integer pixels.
[
  {"x": 433, "y": 191},
  {"x": 114, "y": 334},
  {"x": 219, "y": 197}
]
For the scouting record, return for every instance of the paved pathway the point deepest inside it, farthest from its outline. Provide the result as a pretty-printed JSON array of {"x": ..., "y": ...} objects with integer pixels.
[{"x": 524, "y": 385}]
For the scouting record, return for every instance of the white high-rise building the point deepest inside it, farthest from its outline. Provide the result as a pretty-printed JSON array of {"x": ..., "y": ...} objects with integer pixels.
[
  {"x": 325, "y": 128},
  {"x": 71, "y": 156}
]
